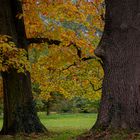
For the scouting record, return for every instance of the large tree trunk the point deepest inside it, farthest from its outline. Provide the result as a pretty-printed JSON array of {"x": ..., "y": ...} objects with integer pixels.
[
  {"x": 19, "y": 109},
  {"x": 119, "y": 50}
]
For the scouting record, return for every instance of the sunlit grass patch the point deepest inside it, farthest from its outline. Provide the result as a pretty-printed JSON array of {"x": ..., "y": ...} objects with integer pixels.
[{"x": 61, "y": 126}]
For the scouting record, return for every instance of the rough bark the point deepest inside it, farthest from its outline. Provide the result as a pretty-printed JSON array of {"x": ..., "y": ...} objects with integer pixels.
[
  {"x": 19, "y": 109},
  {"x": 119, "y": 50}
]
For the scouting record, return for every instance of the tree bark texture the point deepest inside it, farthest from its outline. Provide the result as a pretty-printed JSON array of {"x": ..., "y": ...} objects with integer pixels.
[
  {"x": 119, "y": 50},
  {"x": 19, "y": 109}
]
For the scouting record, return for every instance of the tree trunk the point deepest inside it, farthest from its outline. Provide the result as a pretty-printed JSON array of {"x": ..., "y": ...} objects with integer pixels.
[
  {"x": 19, "y": 109},
  {"x": 48, "y": 107},
  {"x": 119, "y": 50}
]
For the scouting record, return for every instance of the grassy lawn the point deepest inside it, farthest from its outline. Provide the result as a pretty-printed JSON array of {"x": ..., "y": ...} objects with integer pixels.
[{"x": 62, "y": 126}]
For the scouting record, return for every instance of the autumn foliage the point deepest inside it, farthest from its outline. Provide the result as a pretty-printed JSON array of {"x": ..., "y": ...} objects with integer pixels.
[
  {"x": 68, "y": 66},
  {"x": 61, "y": 66}
]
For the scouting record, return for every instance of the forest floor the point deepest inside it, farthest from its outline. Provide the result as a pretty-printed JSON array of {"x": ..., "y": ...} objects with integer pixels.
[{"x": 61, "y": 126}]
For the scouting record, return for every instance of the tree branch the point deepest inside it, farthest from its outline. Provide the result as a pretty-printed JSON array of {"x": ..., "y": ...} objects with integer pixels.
[
  {"x": 93, "y": 87},
  {"x": 92, "y": 57},
  {"x": 79, "y": 52},
  {"x": 57, "y": 42},
  {"x": 74, "y": 64},
  {"x": 43, "y": 40}
]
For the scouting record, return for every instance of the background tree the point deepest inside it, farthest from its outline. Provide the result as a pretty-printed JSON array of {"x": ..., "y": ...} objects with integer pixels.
[
  {"x": 69, "y": 27},
  {"x": 19, "y": 109},
  {"x": 65, "y": 63}
]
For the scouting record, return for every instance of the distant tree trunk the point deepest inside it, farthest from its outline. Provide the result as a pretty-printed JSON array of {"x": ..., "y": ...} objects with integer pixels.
[
  {"x": 19, "y": 109},
  {"x": 48, "y": 108},
  {"x": 119, "y": 50}
]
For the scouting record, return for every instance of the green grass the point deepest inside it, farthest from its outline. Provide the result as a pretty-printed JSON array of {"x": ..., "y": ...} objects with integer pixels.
[
  {"x": 63, "y": 126},
  {"x": 1, "y": 121}
]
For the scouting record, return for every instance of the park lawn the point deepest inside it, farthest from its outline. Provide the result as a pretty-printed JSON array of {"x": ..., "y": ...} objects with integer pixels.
[{"x": 61, "y": 126}]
